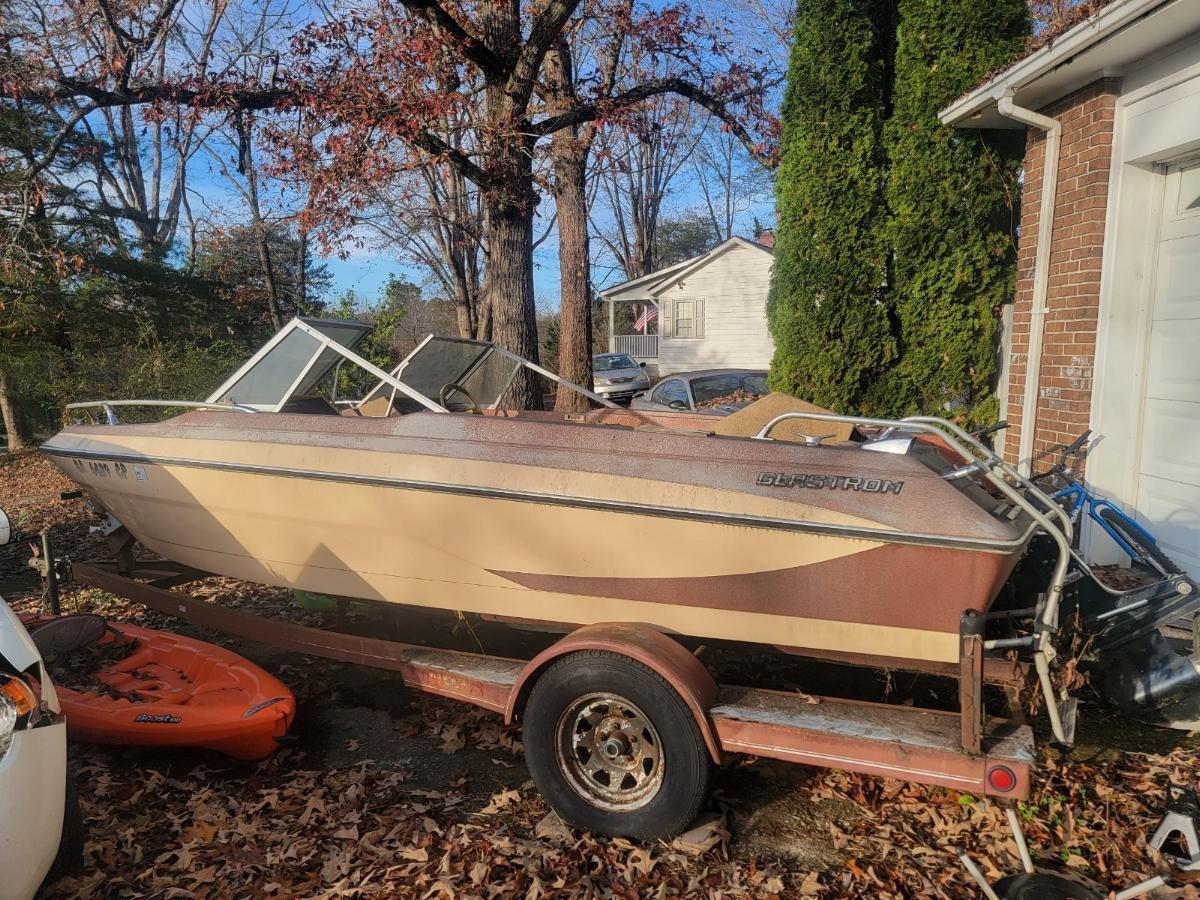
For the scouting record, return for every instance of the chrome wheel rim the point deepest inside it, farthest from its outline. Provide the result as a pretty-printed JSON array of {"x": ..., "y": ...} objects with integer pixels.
[{"x": 609, "y": 752}]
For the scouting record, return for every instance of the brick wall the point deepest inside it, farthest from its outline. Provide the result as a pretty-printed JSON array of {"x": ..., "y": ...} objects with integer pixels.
[{"x": 1073, "y": 298}]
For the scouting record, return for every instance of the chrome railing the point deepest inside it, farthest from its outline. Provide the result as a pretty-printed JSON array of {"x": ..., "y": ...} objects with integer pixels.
[{"x": 110, "y": 415}]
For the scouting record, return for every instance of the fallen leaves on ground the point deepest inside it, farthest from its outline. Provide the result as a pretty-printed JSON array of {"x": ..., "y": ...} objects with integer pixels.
[{"x": 190, "y": 825}]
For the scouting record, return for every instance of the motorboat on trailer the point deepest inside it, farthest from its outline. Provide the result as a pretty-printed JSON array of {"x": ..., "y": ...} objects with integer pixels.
[
  {"x": 859, "y": 539},
  {"x": 424, "y": 492}
]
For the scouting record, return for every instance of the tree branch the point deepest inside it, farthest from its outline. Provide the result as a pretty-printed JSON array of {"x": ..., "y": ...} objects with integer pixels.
[
  {"x": 545, "y": 32},
  {"x": 224, "y": 97},
  {"x": 718, "y": 106},
  {"x": 473, "y": 49}
]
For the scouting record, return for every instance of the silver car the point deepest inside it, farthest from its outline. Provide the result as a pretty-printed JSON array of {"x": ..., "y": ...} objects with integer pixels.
[
  {"x": 617, "y": 377},
  {"x": 717, "y": 392}
]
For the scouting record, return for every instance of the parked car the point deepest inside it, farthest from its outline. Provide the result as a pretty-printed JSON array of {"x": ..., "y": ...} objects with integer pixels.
[
  {"x": 715, "y": 391},
  {"x": 617, "y": 377},
  {"x": 41, "y": 827}
]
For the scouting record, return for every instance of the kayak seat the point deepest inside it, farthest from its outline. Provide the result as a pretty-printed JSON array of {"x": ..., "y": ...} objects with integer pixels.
[{"x": 67, "y": 634}]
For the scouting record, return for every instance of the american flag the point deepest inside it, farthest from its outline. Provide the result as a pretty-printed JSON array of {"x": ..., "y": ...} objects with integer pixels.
[{"x": 649, "y": 314}]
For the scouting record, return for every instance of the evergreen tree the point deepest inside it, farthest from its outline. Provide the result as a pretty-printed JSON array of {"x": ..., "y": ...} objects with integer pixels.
[
  {"x": 827, "y": 308},
  {"x": 953, "y": 199}
]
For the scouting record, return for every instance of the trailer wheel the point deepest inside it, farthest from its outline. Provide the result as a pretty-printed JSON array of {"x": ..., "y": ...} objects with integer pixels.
[
  {"x": 613, "y": 747},
  {"x": 1043, "y": 886}
]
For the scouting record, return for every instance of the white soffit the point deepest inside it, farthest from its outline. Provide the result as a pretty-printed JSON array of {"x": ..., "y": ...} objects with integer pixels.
[{"x": 1123, "y": 33}]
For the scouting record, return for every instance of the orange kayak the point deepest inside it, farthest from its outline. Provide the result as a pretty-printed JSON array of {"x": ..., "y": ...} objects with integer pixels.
[{"x": 127, "y": 685}]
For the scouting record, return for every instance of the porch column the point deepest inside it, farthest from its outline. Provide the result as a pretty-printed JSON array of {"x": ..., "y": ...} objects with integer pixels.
[{"x": 612, "y": 327}]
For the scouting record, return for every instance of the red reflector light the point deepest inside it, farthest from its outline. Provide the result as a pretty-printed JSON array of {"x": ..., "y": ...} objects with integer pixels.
[{"x": 1001, "y": 778}]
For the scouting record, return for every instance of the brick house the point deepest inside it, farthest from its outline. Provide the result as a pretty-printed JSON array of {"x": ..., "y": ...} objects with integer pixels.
[{"x": 1104, "y": 331}]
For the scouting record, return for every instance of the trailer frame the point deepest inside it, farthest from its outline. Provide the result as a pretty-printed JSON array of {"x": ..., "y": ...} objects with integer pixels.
[{"x": 966, "y": 751}]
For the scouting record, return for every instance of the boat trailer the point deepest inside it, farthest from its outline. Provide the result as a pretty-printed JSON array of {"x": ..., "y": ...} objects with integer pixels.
[{"x": 965, "y": 751}]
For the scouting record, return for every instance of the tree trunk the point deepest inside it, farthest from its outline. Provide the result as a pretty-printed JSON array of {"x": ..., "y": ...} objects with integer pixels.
[
  {"x": 301, "y": 270},
  {"x": 568, "y": 155},
  {"x": 508, "y": 282},
  {"x": 245, "y": 137},
  {"x": 509, "y": 204},
  {"x": 19, "y": 437},
  {"x": 575, "y": 315}
]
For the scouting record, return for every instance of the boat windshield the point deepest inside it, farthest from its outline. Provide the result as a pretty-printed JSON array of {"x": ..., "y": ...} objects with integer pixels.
[
  {"x": 301, "y": 369},
  {"x": 455, "y": 372},
  {"x": 291, "y": 363}
]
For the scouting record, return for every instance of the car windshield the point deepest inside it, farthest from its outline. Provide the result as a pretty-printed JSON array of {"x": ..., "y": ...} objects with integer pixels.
[
  {"x": 729, "y": 387},
  {"x": 609, "y": 363}
]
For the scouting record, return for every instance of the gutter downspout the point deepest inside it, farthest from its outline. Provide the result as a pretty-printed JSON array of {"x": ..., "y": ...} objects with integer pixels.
[{"x": 1041, "y": 268}]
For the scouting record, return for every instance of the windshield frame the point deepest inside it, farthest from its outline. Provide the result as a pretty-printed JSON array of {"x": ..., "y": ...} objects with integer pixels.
[{"x": 391, "y": 379}]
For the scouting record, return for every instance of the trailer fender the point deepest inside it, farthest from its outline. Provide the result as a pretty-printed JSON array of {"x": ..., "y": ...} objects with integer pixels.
[{"x": 645, "y": 645}]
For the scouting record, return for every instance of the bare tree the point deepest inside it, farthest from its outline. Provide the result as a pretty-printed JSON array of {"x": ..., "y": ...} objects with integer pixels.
[
  {"x": 635, "y": 171},
  {"x": 730, "y": 181},
  {"x": 433, "y": 217}
]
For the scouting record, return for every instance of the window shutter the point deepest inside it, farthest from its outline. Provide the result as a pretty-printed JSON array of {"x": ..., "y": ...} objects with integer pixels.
[
  {"x": 698, "y": 328},
  {"x": 667, "y": 325}
]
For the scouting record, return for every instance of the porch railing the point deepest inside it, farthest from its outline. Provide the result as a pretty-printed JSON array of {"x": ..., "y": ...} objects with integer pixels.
[{"x": 639, "y": 346}]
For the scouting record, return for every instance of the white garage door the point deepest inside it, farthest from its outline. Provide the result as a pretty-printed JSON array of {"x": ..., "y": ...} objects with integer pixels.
[{"x": 1168, "y": 484}]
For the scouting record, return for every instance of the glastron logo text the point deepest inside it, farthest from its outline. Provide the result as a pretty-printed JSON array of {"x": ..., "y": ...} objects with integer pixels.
[{"x": 832, "y": 482}]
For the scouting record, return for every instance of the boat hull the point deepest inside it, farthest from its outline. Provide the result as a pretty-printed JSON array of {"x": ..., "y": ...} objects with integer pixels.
[{"x": 571, "y": 531}]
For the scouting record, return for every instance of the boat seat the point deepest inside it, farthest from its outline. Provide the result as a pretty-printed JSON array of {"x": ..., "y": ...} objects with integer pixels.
[
  {"x": 749, "y": 421},
  {"x": 67, "y": 634},
  {"x": 377, "y": 408}
]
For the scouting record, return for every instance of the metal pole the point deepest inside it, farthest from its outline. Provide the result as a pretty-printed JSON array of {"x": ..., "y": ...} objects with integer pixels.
[
  {"x": 973, "y": 871},
  {"x": 1141, "y": 889},
  {"x": 51, "y": 574},
  {"x": 970, "y": 679},
  {"x": 1019, "y": 836}
]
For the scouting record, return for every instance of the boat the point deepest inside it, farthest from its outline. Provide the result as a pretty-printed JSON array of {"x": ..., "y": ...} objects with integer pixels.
[
  {"x": 425, "y": 491},
  {"x": 132, "y": 686}
]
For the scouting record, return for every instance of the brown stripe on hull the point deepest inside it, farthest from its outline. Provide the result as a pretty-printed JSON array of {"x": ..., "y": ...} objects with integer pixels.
[{"x": 860, "y": 588}]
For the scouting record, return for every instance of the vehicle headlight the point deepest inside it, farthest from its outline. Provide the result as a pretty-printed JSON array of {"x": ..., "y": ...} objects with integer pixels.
[
  {"x": 18, "y": 704},
  {"x": 601, "y": 381},
  {"x": 5, "y": 528}
]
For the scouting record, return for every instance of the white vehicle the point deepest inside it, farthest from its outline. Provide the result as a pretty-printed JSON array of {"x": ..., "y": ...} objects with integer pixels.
[{"x": 40, "y": 825}]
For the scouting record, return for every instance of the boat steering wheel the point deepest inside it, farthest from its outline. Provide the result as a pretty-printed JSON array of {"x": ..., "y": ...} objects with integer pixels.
[{"x": 455, "y": 388}]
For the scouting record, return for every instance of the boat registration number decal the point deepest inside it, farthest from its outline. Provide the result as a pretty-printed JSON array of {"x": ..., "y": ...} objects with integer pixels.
[{"x": 831, "y": 482}]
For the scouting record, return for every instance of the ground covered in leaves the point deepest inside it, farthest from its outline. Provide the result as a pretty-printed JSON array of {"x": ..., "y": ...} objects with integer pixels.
[{"x": 388, "y": 792}]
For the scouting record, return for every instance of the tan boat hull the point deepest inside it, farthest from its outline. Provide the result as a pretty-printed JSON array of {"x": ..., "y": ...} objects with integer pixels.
[{"x": 512, "y": 537}]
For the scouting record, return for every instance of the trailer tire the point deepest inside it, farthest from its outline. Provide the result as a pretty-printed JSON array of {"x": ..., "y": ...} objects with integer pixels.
[
  {"x": 1044, "y": 886},
  {"x": 613, "y": 747}
]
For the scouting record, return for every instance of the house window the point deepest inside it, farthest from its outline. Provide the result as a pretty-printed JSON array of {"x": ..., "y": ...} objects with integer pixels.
[{"x": 684, "y": 319}]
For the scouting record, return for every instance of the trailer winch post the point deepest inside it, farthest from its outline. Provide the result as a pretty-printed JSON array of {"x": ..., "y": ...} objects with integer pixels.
[{"x": 970, "y": 679}]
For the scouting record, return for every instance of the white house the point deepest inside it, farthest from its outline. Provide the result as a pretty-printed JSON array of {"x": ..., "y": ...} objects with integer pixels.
[{"x": 712, "y": 311}]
